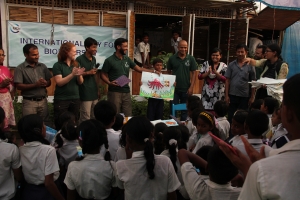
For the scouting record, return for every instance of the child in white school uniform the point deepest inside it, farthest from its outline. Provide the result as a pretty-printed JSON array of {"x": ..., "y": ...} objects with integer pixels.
[
  {"x": 171, "y": 139},
  {"x": 145, "y": 175},
  {"x": 269, "y": 105},
  {"x": 205, "y": 124},
  {"x": 105, "y": 112},
  {"x": 195, "y": 136},
  {"x": 119, "y": 122},
  {"x": 237, "y": 127},
  {"x": 10, "y": 164},
  {"x": 158, "y": 143},
  {"x": 213, "y": 187},
  {"x": 279, "y": 135},
  {"x": 257, "y": 122},
  {"x": 39, "y": 160},
  {"x": 221, "y": 109},
  {"x": 66, "y": 143},
  {"x": 123, "y": 152},
  {"x": 92, "y": 176}
]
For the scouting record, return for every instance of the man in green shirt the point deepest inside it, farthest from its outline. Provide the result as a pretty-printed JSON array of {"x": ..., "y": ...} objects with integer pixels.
[
  {"x": 115, "y": 66},
  {"x": 180, "y": 65},
  {"x": 88, "y": 90}
]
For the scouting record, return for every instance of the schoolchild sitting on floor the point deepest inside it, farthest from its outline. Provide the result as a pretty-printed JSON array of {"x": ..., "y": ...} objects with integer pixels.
[
  {"x": 92, "y": 175},
  {"x": 205, "y": 124},
  {"x": 195, "y": 136},
  {"x": 256, "y": 124},
  {"x": 106, "y": 112},
  {"x": 171, "y": 139},
  {"x": 10, "y": 166},
  {"x": 269, "y": 105},
  {"x": 158, "y": 143},
  {"x": 153, "y": 176},
  {"x": 221, "y": 109},
  {"x": 237, "y": 127},
  {"x": 221, "y": 172},
  {"x": 39, "y": 161},
  {"x": 279, "y": 135}
]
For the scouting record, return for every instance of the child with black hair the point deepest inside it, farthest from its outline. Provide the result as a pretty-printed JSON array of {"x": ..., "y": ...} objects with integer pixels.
[
  {"x": 237, "y": 127},
  {"x": 203, "y": 153},
  {"x": 184, "y": 136},
  {"x": 171, "y": 139},
  {"x": 192, "y": 103},
  {"x": 195, "y": 136},
  {"x": 221, "y": 109},
  {"x": 39, "y": 161},
  {"x": 269, "y": 105},
  {"x": 205, "y": 124},
  {"x": 123, "y": 151},
  {"x": 106, "y": 112},
  {"x": 10, "y": 164},
  {"x": 118, "y": 123},
  {"x": 62, "y": 119},
  {"x": 92, "y": 176},
  {"x": 256, "y": 124},
  {"x": 155, "y": 107},
  {"x": 145, "y": 175},
  {"x": 256, "y": 105},
  {"x": 221, "y": 172},
  {"x": 66, "y": 143},
  {"x": 158, "y": 143},
  {"x": 279, "y": 135}
]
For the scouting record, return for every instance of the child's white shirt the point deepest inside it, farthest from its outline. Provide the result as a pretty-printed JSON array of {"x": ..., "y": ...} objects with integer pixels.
[
  {"x": 236, "y": 140},
  {"x": 200, "y": 187},
  {"x": 92, "y": 177},
  {"x": 113, "y": 142},
  {"x": 144, "y": 48},
  {"x": 256, "y": 144},
  {"x": 9, "y": 160},
  {"x": 121, "y": 154},
  {"x": 38, "y": 160},
  {"x": 205, "y": 140},
  {"x": 224, "y": 127},
  {"x": 68, "y": 151},
  {"x": 132, "y": 176},
  {"x": 182, "y": 189},
  {"x": 278, "y": 131}
]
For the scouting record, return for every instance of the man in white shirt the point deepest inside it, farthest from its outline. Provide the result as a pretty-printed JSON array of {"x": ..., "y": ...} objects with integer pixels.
[
  {"x": 106, "y": 112},
  {"x": 144, "y": 48},
  {"x": 175, "y": 40},
  {"x": 275, "y": 177}
]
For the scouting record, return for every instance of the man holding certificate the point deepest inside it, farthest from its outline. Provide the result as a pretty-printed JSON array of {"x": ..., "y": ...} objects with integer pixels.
[{"x": 115, "y": 73}]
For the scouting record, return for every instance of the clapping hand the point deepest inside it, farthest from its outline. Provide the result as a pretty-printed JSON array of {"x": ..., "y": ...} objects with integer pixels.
[
  {"x": 77, "y": 71},
  {"x": 41, "y": 83}
]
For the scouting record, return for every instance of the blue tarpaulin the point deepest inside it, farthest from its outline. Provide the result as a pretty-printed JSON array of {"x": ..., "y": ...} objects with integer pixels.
[
  {"x": 282, "y": 4},
  {"x": 291, "y": 48}
]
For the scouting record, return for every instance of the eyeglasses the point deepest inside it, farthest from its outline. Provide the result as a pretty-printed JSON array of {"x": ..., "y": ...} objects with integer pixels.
[{"x": 2, "y": 55}]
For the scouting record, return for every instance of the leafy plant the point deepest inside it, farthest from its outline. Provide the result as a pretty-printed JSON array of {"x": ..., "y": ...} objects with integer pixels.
[{"x": 164, "y": 57}]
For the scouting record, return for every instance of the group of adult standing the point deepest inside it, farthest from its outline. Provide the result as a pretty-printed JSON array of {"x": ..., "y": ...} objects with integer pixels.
[{"x": 77, "y": 91}]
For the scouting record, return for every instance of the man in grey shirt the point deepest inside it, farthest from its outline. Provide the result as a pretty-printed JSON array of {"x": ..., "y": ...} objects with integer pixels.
[
  {"x": 237, "y": 90},
  {"x": 32, "y": 78}
]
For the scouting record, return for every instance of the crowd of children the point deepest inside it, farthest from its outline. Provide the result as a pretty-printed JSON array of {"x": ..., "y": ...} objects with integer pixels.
[{"x": 103, "y": 158}]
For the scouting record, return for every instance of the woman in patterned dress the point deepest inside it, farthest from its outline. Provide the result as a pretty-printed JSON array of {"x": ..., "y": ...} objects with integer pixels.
[
  {"x": 212, "y": 73},
  {"x": 6, "y": 86}
]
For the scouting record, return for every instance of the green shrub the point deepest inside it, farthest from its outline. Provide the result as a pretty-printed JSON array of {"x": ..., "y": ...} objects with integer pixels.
[{"x": 139, "y": 108}]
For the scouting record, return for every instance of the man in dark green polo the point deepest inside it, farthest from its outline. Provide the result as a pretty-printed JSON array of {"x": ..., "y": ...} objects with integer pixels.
[
  {"x": 115, "y": 66},
  {"x": 180, "y": 65},
  {"x": 88, "y": 90},
  {"x": 32, "y": 78}
]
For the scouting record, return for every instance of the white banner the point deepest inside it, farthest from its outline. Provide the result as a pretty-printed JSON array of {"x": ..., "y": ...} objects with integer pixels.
[{"x": 21, "y": 33}]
